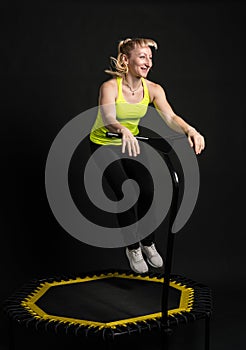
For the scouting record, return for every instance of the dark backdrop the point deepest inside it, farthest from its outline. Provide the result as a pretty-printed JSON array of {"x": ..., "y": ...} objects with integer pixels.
[{"x": 53, "y": 59}]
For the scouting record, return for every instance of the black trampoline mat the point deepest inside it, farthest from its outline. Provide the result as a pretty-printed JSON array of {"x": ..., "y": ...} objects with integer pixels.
[{"x": 106, "y": 300}]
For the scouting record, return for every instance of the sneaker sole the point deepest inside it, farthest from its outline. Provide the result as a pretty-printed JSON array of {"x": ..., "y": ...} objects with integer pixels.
[{"x": 151, "y": 264}]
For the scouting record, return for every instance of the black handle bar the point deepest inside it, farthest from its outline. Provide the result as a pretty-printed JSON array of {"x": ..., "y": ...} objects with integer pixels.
[
  {"x": 119, "y": 136},
  {"x": 148, "y": 138},
  {"x": 164, "y": 146},
  {"x": 157, "y": 142}
]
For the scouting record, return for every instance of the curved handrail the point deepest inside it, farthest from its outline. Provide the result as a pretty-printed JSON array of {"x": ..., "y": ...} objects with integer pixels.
[{"x": 165, "y": 147}]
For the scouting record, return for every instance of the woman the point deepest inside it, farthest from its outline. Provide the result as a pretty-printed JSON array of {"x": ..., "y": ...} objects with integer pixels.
[{"x": 123, "y": 101}]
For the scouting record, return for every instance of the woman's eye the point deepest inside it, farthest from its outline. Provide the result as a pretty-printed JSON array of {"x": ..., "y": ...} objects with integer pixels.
[{"x": 143, "y": 57}]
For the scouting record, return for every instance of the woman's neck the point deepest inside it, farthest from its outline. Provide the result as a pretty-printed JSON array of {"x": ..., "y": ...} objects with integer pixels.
[{"x": 133, "y": 83}]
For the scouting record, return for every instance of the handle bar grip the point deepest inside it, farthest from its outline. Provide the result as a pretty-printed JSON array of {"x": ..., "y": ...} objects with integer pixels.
[{"x": 119, "y": 136}]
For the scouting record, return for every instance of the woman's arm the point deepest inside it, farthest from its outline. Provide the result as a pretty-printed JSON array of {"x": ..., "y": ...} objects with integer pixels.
[
  {"x": 174, "y": 121},
  {"x": 107, "y": 97}
]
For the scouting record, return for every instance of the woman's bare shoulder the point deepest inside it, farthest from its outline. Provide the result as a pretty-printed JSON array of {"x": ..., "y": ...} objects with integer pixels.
[
  {"x": 109, "y": 90},
  {"x": 152, "y": 85},
  {"x": 109, "y": 84},
  {"x": 154, "y": 89}
]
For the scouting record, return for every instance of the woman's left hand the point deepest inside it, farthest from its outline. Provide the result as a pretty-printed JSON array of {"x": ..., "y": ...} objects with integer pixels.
[{"x": 196, "y": 140}]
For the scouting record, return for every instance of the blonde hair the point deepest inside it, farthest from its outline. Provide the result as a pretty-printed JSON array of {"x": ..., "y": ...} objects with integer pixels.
[{"x": 118, "y": 66}]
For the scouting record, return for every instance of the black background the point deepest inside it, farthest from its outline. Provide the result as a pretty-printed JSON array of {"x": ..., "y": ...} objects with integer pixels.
[{"x": 53, "y": 58}]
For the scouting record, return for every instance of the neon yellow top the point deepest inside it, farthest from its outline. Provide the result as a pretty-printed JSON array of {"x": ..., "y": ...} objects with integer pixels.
[{"x": 128, "y": 114}]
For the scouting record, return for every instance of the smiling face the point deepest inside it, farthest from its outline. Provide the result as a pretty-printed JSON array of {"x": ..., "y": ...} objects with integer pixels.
[{"x": 140, "y": 61}]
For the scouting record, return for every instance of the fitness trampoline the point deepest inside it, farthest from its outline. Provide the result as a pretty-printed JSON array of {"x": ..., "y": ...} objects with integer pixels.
[{"x": 112, "y": 305}]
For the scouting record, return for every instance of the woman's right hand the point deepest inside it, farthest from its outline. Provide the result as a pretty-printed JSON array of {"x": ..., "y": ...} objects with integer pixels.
[{"x": 129, "y": 142}]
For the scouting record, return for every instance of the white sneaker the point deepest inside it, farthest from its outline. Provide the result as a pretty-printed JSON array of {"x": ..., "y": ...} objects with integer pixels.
[
  {"x": 136, "y": 260},
  {"x": 153, "y": 257}
]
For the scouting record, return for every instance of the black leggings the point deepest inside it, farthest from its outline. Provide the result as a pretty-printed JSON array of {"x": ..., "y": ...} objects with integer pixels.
[{"x": 115, "y": 175}]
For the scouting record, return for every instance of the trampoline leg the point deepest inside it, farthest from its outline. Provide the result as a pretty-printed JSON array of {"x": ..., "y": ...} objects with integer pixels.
[
  {"x": 165, "y": 338},
  {"x": 11, "y": 336},
  {"x": 108, "y": 344},
  {"x": 164, "y": 345},
  {"x": 207, "y": 333}
]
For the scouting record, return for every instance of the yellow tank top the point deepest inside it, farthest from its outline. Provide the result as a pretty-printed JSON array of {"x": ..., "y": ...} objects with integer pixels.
[{"x": 128, "y": 114}]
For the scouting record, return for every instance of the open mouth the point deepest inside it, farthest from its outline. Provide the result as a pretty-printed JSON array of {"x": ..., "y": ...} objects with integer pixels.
[{"x": 144, "y": 69}]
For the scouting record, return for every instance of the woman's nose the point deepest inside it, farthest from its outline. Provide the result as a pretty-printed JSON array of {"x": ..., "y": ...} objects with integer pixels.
[{"x": 148, "y": 62}]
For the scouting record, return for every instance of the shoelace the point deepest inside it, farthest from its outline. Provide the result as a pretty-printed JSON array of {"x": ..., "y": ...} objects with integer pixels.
[
  {"x": 151, "y": 250},
  {"x": 137, "y": 254}
]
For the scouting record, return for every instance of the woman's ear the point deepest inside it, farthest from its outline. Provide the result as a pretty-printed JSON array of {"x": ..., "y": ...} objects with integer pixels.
[{"x": 125, "y": 58}]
